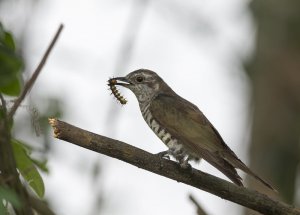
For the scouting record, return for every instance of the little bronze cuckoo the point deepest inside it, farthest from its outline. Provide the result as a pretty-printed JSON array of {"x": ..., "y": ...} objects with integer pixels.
[{"x": 181, "y": 126}]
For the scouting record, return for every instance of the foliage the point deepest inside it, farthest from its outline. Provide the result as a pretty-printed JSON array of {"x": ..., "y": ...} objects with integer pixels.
[
  {"x": 27, "y": 167},
  {"x": 7, "y": 195},
  {"x": 10, "y": 65}
]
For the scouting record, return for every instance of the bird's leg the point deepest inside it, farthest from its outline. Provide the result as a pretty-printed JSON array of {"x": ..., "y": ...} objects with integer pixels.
[
  {"x": 184, "y": 163},
  {"x": 164, "y": 154}
]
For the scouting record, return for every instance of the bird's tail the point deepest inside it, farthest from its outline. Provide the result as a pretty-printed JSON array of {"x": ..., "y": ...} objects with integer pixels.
[
  {"x": 227, "y": 169},
  {"x": 239, "y": 164}
]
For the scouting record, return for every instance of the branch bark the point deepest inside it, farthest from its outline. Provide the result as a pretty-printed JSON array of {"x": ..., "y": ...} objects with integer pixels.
[{"x": 170, "y": 169}]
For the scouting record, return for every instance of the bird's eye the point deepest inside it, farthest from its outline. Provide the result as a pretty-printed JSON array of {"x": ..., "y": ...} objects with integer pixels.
[{"x": 139, "y": 79}]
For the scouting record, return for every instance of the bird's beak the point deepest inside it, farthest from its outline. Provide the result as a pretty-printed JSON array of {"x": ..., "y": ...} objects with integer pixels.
[{"x": 123, "y": 81}]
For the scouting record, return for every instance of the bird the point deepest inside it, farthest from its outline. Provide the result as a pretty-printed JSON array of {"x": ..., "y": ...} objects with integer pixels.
[{"x": 182, "y": 127}]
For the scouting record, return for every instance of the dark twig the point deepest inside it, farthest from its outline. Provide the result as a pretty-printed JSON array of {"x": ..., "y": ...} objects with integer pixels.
[
  {"x": 170, "y": 169},
  {"x": 3, "y": 104},
  {"x": 35, "y": 74},
  {"x": 200, "y": 210},
  {"x": 8, "y": 172},
  {"x": 40, "y": 206}
]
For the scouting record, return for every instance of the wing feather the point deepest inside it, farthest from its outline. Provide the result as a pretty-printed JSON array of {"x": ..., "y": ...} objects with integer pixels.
[{"x": 187, "y": 123}]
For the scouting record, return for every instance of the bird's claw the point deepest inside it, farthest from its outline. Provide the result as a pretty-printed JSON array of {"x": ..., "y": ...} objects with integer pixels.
[
  {"x": 164, "y": 154},
  {"x": 184, "y": 163}
]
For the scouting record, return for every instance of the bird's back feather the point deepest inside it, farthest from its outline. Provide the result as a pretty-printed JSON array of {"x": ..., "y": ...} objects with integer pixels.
[{"x": 189, "y": 125}]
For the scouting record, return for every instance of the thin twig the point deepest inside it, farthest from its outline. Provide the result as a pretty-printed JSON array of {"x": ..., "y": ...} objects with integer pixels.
[
  {"x": 40, "y": 206},
  {"x": 3, "y": 104},
  {"x": 200, "y": 210},
  {"x": 8, "y": 171},
  {"x": 4, "y": 109},
  {"x": 2, "y": 99},
  {"x": 170, "y": 169},
  {"x": 31, "y": 81}
]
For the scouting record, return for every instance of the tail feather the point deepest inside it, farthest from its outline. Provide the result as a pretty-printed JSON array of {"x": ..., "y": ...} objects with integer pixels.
[
  {"x": 243, "y": 167},
  {"x": 231, "y": 157},
  {"x": 227, "y": 169},
  {"x": 237, "y": 163}
]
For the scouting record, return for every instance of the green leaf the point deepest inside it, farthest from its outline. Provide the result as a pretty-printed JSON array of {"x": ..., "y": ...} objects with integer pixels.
[
  {"x": 42, "y": 165},
  {"x": 2, "y": 208},
  {"x": 10, "y": 65},
  {"x": 9, "y": 196},
  {"x": 12, "y": 88},
  {"x": 27, "y": 168},
  {"x": 9, "y": 41}
]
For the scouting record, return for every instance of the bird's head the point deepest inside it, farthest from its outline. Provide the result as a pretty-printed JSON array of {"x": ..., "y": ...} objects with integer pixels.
[{"x": 145, "y": 84}]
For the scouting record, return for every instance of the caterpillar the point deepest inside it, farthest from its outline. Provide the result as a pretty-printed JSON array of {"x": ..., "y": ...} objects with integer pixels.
[{"x": 112, "y": 85}]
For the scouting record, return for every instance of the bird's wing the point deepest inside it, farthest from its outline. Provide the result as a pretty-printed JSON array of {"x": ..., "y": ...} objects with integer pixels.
[{"x": 186, "y": 122}]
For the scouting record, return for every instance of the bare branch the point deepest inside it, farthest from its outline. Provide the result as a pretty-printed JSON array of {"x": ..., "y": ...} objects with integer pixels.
[
  {"x": 200, "y": 210},
  {"x": 35, "y": 74},
  {"x": 8, "y": 172},
  {"x": 40, "y": 206},
  {"x": 170, "y": 169},
  {"x": 3, "y": 103},
  {"x": 4, "y": 109}
]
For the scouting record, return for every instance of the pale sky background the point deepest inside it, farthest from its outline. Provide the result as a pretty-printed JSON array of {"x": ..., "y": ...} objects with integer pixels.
[{"x": 200, "y": 59}]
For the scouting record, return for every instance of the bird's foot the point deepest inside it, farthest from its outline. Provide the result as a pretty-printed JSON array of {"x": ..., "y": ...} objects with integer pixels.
[
  {"x": 164, "y": 154},
  {"x": 184, "y": 163}
]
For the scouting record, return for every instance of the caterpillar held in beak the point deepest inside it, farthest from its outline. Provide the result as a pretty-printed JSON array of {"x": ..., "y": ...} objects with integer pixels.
[{"x": 112, "y": 85}]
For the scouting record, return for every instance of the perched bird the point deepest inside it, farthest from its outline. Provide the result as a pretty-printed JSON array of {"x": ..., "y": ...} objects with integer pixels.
[{"x": 181, "y": 126}]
